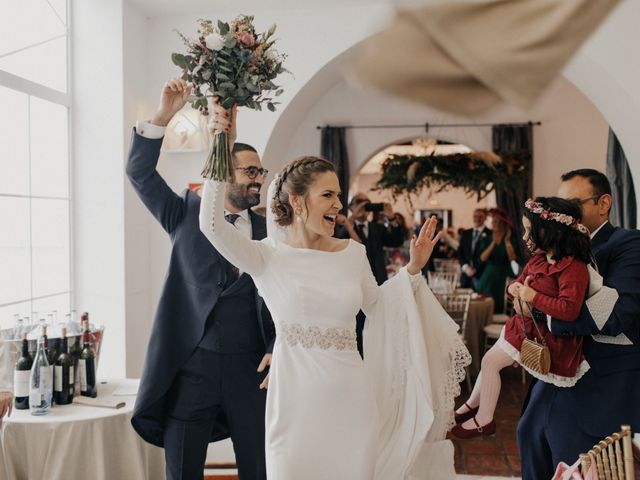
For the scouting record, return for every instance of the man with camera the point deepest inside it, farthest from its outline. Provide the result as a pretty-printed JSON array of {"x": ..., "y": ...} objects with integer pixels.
[{"x": 373, "y": 225}]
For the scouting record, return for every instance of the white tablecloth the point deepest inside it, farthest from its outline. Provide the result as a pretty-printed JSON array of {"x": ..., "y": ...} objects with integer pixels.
[{"x": 78, "y": 442}]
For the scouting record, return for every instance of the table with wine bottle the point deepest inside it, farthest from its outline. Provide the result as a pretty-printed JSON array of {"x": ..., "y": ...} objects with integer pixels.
[
  {"x": 41, "y": 446},
  {"x": 60, "y": 406}
]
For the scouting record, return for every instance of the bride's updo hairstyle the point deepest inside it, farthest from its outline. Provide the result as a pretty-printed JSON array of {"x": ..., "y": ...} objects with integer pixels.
[{"x": 295, "y": 179}]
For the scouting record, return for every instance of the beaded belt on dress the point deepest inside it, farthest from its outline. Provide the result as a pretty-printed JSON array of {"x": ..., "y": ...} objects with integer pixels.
[{"x": 309, "y": 336}]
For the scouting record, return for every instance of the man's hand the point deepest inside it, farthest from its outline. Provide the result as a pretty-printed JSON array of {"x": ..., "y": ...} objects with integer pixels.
[
  {"x": 266, "y": 361},
  {"x": 220, "y": 120},
  {"x": 358, "y": 210},
  {"x": 387, "y": 211},
  {"x": 342, "y": 220},
  {"x": 469, "y": 271},
  {"x": 6, "y": 405},
  {"x": 174, "y": 96}
]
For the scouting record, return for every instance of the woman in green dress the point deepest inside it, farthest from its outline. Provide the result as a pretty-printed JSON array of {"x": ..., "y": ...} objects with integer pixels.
[{"x": 497, "y": 255}]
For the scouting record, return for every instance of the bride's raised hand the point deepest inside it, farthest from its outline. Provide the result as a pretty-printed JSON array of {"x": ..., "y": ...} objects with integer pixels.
[
  {"x": 422, "y": 246},
  {"x": 221, "y": 120}
]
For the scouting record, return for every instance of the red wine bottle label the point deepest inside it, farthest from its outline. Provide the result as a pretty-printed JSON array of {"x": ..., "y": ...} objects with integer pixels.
[{"x": 21, "y": 383}]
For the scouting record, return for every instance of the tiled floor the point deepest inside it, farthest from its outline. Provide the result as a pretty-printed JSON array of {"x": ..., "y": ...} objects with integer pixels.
[{"x": 496, "y": 455}]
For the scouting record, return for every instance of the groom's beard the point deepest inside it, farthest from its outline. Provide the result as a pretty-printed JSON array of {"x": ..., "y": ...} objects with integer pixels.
[{"x": 240, "y": 197}]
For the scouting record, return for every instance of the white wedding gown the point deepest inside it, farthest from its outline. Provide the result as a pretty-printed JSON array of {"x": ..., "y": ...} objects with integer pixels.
[{"x": 330, "y": 415}]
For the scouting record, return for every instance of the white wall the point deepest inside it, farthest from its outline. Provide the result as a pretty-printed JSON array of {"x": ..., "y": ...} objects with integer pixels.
[
  {"x": 137, "y": 262},
  {"x": 97, "y": 184}
]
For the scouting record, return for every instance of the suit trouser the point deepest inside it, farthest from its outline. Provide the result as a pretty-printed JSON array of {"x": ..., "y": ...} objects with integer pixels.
[
  {"x": 548, "y": 432},
  {"x": 207, "y": 384}
]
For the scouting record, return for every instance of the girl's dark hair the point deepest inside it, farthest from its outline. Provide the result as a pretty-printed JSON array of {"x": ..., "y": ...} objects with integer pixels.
[
  {"x": 555, "y": 237},
  {"x": 295, "y": 179}
]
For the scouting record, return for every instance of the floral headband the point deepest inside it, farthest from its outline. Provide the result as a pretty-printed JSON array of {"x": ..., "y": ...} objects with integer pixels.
[{"x": 563, "y": 218}]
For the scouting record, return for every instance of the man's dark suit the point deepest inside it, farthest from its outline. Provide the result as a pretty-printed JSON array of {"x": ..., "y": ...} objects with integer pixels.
[
  {"x": 189, "y": 346},
  {"x": 560, "y": 423},
  {"x": 469, "y": 254},
  {"x": 377, "y": 236},
  {"x": 375, "y": 239}
]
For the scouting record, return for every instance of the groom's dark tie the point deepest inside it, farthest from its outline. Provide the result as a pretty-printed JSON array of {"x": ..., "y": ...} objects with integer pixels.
[{"x": 233, "y": 273}]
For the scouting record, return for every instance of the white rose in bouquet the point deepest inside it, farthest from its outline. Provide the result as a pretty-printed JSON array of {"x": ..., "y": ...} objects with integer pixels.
[{"x": 215, "y": 41}]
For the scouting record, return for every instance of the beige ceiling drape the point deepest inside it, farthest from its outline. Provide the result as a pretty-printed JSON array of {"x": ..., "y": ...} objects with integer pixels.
[{"x": 465, "y": 57}]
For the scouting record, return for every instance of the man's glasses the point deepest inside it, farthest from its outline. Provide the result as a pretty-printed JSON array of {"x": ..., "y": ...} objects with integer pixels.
[
  {"x": 582, "y": 201},
  {"x": 253, "y": 172}
]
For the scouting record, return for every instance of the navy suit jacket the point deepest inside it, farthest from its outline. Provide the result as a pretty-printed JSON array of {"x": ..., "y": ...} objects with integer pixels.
[
  {"x": 378, "y": 237},
  {"x": 613, "y": 384},
  {"x": 193, "y": 284}
]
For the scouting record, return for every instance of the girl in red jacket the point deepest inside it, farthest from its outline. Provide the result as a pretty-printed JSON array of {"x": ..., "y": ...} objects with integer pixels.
[{"x": 554, "y": 281}]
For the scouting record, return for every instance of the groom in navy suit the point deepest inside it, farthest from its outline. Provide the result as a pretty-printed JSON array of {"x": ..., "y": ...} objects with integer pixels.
[
  {"x": 212, "y": 334},
  {"x": 560, "y": 423}
]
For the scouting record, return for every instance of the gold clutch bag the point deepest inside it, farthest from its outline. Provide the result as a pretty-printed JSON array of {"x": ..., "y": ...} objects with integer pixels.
[{"x": 533, "y": 355}]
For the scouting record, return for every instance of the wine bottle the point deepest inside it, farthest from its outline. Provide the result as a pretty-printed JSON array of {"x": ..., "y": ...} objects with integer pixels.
[
  {"x": 87, "y": 365},
  {"x": 47, "y": 351},
  {"x": 75, "y": 351},
  {"x": 63, "y": 375},
  {"x": 22, "y": 376},
  {"x": 40, "y": 391}
]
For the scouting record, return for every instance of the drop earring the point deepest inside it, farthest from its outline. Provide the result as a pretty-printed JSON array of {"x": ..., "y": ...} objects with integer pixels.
[{"x": 298, "y": 212}]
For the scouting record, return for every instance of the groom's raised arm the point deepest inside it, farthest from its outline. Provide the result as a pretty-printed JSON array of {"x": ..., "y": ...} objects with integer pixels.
[{"x": 165, "y": 205}]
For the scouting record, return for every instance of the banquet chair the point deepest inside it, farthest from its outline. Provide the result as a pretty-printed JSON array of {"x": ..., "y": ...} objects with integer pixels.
[
  {"x": 612, "y": 457},
  {"x": 457, "y": 306},
  {"x": 443, "y": 282},
  {"x": 446, "y": 265},
  {"x": 508, "y": 311}
]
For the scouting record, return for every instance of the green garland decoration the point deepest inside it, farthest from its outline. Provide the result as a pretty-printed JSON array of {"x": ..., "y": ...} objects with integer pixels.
[{"x": 477, "y": 173}]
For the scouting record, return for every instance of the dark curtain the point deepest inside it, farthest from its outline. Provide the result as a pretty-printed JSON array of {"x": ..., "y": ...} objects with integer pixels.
[
  {"x": 516, "y": 142},
  {"x": 623, "y": 212},
  {"x": 333, "y": 147}
]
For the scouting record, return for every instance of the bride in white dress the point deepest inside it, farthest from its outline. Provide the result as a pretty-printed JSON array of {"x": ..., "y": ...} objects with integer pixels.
[{"x": 330, "y": 415}]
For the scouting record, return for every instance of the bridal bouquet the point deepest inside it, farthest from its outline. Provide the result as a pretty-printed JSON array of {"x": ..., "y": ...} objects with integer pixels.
[{"x": 237, "y": 65}]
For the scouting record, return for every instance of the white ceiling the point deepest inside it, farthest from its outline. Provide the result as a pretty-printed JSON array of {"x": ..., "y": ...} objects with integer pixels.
[{"x": 156, "y": 8}]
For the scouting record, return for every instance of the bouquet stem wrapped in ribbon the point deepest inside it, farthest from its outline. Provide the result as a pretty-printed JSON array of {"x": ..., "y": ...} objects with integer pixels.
[{"x": 234, "y": 63}]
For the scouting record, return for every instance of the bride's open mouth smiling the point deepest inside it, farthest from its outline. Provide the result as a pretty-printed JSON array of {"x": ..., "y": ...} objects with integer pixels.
[{"x": 331, "y": 219}]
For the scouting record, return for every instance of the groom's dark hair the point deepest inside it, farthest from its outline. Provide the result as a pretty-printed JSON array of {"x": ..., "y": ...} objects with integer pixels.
[{"x": 241, "y": 147}]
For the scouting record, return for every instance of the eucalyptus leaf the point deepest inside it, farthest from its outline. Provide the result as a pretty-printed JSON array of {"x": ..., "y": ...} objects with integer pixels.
[
  {"x": 223, "y": 28},
  {"x": 179, "y": 60}
]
